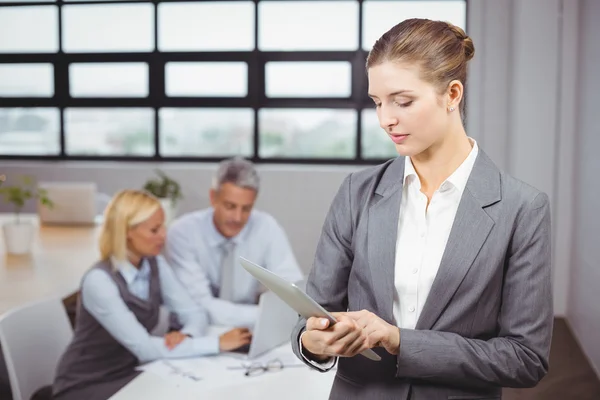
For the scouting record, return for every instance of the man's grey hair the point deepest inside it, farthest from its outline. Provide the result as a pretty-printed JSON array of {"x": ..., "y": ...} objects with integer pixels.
[{"x": 238, "y": 171}]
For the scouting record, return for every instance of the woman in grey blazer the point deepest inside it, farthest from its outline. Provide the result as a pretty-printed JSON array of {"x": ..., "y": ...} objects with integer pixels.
[{"x": 437, "y": 260}]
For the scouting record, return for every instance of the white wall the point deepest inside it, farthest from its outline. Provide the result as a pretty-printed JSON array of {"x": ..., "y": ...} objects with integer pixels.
[
  {"x": 297, "y": 196},
  {"x": 521, "y": 103},
  {"x": 584, "y": 302},
  {"x": 514, "y": 111}
]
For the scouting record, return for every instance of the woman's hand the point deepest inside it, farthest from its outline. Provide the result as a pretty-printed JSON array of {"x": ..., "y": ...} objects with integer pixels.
[
  {"x": 234, "y": 338},
  {"x": 345, "y": 338},
  {"x": 172, "y": 339},
  {"x": 354, "y": 332},
  {"x": 378, "y": 332}
]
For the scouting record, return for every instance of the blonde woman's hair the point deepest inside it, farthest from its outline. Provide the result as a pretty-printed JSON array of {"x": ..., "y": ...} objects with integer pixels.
[{"x": 126, "y": 209}]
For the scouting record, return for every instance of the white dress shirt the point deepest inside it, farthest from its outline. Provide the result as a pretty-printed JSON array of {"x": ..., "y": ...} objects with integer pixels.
[
  {"x": 101, "y": 298},
  {"x": 421, "y": 240},
  {"x": 193, "y": 250},
  {"x": 422, "y": 235}
]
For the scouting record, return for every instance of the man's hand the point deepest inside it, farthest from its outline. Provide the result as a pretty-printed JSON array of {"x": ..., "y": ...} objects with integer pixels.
[
  {"x": 345, "y": 338},
  {"x": 172, "y": 339},
  {"x": 234, "y": 338},
  {"x": 378, "y": 332}
]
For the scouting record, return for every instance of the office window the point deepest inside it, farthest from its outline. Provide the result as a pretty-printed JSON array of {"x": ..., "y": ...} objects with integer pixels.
[
  {"x": 26, "y": 80},
  {"x": 206, "y": 79},
  {"x": 307, "y": 133},
  {"x": 106, "y": 131},
  {"x": 308, "y": 25},
  {"x": 108, "y": 79},
  {"x": 32, "y": 29},
  {"x": 108, "y": 28},
  {"x": 202, "y": 26},
  {"x": 205, "y": 132},
  {"x": 29, "y": 131},
  {"x": 308, "y": 79},
  {"x": 381, "y": 15},
  {"x": 277, "y": 81}
]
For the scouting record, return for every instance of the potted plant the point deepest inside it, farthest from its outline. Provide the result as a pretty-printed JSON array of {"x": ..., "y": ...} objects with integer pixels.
[
  {"x": 168, "y": 191},
  {"x": 18, "y": 234}
]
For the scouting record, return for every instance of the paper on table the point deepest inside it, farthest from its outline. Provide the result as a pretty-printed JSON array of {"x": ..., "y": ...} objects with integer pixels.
[{"x": 215, "y": 371}]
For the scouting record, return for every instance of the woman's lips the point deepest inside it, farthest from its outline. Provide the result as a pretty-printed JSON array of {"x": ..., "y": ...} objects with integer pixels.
[{"x": 398, "y": 138}]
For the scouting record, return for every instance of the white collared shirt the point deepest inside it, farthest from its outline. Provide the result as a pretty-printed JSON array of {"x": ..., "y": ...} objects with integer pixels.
[{"x": 422, "y": 236}]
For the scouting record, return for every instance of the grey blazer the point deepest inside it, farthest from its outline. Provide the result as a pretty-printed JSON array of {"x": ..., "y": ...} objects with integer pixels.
[{"x": 487, "y": 322}]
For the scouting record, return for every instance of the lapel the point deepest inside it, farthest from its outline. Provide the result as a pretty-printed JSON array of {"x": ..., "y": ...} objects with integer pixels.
[
  {"x": 470, "y": 229},
  {"x": 382, "y": 233}
]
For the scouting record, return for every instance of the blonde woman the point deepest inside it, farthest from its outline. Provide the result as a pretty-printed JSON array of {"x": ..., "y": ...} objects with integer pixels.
[{"x": 120, "y": 300}]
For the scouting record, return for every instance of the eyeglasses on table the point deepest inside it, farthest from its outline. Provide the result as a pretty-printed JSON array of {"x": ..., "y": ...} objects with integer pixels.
[{"x": 257, "y": 368}]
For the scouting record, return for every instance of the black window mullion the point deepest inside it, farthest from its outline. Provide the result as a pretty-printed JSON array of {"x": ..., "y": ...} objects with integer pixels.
[
  {"x": 358, "y": 77},
  {"x": 61, "y": 82},
  {"x": 256, "y": 85},
  {"x": 156, "y": 84}
]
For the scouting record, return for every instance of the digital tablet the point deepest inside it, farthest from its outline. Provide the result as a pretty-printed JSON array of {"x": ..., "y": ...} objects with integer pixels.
[{"x": 294, "y": 297}]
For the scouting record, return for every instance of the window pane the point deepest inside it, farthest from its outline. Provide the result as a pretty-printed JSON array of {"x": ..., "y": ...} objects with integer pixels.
[
  {"x": 208, "y": 79},
  {"x": 26, "y": 80},
  {"x": 215, "y": 26},
  {"x": 375, "y": 142},
  {"x": 32, "y": 29},
  {"x": 111, "y": 132},
  {"x": 209, "y": 132},
  {"x": 307, "y": 133},
  {"x": 380, "y": 16},
  {"x": 308, "y": 25},
  {"x": 108, "y": 79},
  {"x": 308, "y": 79},
  {"x": 106, "y": 28},
  {"x": 29, "y": 131}
]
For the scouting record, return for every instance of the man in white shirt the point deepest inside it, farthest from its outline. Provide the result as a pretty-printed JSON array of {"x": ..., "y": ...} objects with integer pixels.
[{"x": 203, "y": 247}]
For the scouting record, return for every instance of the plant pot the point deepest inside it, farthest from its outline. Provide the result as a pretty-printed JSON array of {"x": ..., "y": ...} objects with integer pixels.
[
  {"x": 18, "y": 237},
  {"x": 170, "y": 209}
]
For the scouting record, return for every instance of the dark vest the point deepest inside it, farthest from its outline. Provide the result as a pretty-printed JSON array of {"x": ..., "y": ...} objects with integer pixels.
[{"x": 94, "y": 359}]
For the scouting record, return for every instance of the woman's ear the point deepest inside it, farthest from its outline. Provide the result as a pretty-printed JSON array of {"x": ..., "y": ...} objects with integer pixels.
[{"x": 454, "y": 94}]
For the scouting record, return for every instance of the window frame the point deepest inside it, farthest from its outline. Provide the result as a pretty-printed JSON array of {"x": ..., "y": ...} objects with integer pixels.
[{"x": 157, "y": 98}]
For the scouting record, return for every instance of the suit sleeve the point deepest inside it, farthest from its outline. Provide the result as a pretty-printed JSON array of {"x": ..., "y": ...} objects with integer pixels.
[
  {"x": 518, "y": 356},
  {"x": 327, "y": 282}
]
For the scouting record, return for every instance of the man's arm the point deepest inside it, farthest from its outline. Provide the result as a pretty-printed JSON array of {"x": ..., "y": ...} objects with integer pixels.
[
  {"x": 518, "y": 357},
  {"x": 181, "y": 256}
]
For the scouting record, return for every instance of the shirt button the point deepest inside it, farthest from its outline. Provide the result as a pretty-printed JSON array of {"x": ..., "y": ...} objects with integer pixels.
[
  {"x": 411, "y": 309},
  {"x": 414, "y": 271},
  {"x": 423, "y": 234}
]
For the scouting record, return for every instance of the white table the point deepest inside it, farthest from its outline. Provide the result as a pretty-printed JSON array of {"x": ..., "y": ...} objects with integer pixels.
[{"x": 296, "y": 382}]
